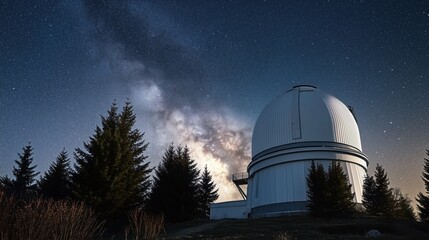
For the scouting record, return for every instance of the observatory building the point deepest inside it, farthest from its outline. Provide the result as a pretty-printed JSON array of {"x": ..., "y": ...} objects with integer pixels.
[{"x": 302, "y": 125}]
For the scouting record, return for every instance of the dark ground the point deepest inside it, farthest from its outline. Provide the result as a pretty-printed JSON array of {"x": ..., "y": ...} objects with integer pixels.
[{"x": 297, "y": 227}]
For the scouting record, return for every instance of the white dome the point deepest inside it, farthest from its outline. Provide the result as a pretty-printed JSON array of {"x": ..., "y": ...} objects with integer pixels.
[
  {"x": 299, "y": 127},
  {"x": 304, "y": 114}
]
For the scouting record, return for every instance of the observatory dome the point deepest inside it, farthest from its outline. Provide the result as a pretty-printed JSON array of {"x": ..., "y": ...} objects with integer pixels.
[
  {"x": 304, "y": 114},
  {"x": 302, "y": 126}
]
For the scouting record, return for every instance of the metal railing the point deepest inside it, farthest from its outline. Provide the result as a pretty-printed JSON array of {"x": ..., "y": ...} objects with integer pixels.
[
  {"x": 240, "y": 179},
  {"x": 239, "y": 176}
]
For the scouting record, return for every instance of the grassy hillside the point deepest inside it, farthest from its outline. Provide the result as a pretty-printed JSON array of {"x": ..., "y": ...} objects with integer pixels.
[{"x": 297, "y": 227}]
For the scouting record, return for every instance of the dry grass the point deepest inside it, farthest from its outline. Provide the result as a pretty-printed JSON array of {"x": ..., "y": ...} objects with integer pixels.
[
  {"x": 46, "y": 219},
  {"x": 298, "y": 227},
  {"x": 143, "y": 225},
  {"x": 284, "y": 236},
  {"x": 7, "y": 206}
]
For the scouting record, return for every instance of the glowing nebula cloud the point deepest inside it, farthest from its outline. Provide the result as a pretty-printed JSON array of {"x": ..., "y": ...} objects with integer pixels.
[
  {"x": 168, "y": 89},
  {"x": 217, "y": 138},
  {"x": 215, "y": 135}
]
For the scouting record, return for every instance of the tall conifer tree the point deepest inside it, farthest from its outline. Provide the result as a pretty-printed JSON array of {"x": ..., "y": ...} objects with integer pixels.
[
  {"x": 207, "y": 192},
  {"x": 56, "y": 182},
  {"x": 423, "y": 199},
  {"x": 403, "y": 208},
  {"x": 23, "y": 185},
  {"x": 317, "y": 189},
  {"x": 329, "y": 193},
  {"x": 384, "y": 201},
  {"x": 369, "y": 195},
  {"x": 161, "y": 200},
  {"x": 189, "y": 185},
  {"x": 378, "y": 196},
  {"x": 340, "y": 196},
  {"x": 175, "y": 187},
  {"x": 111, "y": 171}
]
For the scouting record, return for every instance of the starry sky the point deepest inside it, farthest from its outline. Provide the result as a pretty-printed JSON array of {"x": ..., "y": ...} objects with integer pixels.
[{"x": 200, "y": 72}]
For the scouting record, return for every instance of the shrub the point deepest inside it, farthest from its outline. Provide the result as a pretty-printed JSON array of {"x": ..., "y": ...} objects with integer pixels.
[
  {"x": 7, "y": 206},
  {"x": 284, "y": 236},
  {"x": 46, "y": 219},
  {"x": 143, "y": 225}
]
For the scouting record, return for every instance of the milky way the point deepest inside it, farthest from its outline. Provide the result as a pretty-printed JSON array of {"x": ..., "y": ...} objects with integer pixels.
[{"x": 199, "y": 73}]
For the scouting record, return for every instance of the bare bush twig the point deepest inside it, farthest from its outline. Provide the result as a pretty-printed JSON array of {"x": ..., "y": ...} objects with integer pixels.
[
  {"x": 7, "y": 206},
  {"x": 145, "y": 226},
  {"x": 46, "y": 219},
  {"x": 284, "y": 236}
]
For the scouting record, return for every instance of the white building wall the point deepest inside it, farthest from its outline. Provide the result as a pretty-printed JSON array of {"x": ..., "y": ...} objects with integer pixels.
[
  {"x": 233, "y": 209},
  {"x": 287, "y": 182},
  {"x": 280, "y": 183}
]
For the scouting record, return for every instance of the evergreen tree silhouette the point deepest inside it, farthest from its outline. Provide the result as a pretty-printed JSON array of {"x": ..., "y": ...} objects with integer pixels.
[
  {"x": 162, "y": 194},
  {"x": 175, "y": 186},
  {"x": 6, "y": 185},
  {"x": 369, "y": 193},
  {"x": 111, "y": 172},
  {"x": 378, "y": 196},
  {"x": 340, "y": 196},
  {"x": 207, "y": 192},
  {"x": 384, "y": 201},
  {"x": 423, "y": 199},
  {"x": 329, "y": 193},
  {"x": 403, "y": 208},
  {"x": 23, "y": 186},
  {"x": 317, "y": 189},
  {"x": 55, "y": 183}
]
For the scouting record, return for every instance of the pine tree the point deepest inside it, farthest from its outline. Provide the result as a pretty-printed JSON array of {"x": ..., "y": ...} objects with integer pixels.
[
  {"x": 317, "y": 189},
  {"x": 160, "y": 200},
  {"x": 133, "y": 147},
  {"x": 403, "y": 208},
  {"x": 91, "y": 182},
  {"x": 56, "y": 182},
  {"x": 423, "y": 199},
  {"x": 378, "y": 196},
  {"x": 23, "y": 185},
  {"x": 6, "y": 185},
  {"x": 190, "y": 185},
  {"x": 329, "y": 193},
  {"x": 175, "y": 187},
  {"x": 369, "y": 193},
  {"x": 340, "y": 196},
  {"x": 111, "y": 172},
  {"x": 384, "y": 202},
  {"x": 207, "y": 193}
]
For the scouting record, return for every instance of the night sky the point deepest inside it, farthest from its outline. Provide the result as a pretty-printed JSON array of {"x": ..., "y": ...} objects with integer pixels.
[{"x": 200, "y": 72}]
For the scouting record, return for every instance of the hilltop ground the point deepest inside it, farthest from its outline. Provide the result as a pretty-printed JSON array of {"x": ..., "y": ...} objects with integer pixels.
[{"x": 297, "y": 227}]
